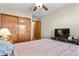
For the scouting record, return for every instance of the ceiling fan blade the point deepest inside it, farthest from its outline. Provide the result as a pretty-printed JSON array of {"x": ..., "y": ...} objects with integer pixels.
[
  {"x": 35, "y": 8},
  {"x": 45, "y": 7}
]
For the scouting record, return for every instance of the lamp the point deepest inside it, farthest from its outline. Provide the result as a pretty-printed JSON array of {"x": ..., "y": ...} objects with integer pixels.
[{"x": 4, "y": 33}]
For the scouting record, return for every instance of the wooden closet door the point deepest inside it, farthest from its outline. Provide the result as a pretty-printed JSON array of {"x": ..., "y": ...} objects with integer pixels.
[
  {"x": 24, "y": 29},
  {"x": 37, "y": 30},
  {"x": 10, "y": 22},
  {"x": 0, "y": 21}
]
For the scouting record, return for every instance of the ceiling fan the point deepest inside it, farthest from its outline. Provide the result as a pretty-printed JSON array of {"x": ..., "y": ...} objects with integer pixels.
[{"x": 44, "y": 6}]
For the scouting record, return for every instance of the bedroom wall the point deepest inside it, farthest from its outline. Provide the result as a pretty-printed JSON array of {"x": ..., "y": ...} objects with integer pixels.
[
  {"x": 67, "y": 17},
  {"x": 32, "y": 29},
  {"x": 16, "y": 13}
]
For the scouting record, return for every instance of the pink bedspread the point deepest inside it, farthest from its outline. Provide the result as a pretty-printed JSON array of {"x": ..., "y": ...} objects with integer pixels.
[{"x": 45, "y": 47}]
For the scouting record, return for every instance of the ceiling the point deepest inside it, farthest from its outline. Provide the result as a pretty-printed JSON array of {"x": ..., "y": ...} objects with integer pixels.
[{"x": 28, "y": 7}]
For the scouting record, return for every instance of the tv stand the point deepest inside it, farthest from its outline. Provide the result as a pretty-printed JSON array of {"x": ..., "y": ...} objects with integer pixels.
[{"x": 73, "y": 41}]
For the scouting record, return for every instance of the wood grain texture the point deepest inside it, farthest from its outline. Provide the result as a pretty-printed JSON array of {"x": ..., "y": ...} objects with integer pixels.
[
  {"x": 20, "y": 27},
  {"x": 24, "y": 29},
  {"x": 37, "y": 30},
  {"x": 11, "y": 22},
  {"x": 0, "y": 21}
]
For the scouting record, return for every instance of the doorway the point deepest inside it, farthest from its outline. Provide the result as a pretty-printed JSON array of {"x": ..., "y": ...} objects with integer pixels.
[{"x": 36, "y": 30}]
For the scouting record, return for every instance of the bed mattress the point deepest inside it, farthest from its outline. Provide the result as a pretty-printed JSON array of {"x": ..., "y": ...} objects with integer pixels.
[{"x": 45, "y": 47}]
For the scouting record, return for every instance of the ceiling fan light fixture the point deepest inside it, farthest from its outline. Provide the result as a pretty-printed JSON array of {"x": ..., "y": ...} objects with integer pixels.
[
  {"x": 42, "y": 5},
  {"x": 39, "y": 4}
]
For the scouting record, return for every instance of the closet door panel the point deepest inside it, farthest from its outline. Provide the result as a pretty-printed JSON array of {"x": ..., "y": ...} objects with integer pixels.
[
  {"x": 24, "y": 29},
  {"x": 37, "y": 30},
  {"x": 0, "y": 21},
  {"x": 10, "y": 22}
]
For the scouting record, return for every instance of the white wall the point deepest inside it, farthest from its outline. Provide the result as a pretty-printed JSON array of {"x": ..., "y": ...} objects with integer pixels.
[
  {"x": 67, "y": 17},
  {"x": 16, "y": 13},
  {"x": 32, "y": 29}
]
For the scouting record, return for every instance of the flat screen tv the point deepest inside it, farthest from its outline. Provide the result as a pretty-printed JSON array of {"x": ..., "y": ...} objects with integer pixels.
[{"x": 63, "y": 32}]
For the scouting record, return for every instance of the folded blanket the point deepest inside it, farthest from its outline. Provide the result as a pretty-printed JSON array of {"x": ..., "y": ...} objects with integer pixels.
[{"x": 6, "y": 48}]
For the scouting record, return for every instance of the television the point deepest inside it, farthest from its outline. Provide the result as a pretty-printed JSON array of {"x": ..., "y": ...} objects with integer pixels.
[{"x": 63, "y": 32}]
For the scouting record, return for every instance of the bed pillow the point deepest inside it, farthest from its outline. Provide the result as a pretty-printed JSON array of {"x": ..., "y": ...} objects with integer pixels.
[{"x": 5, "y": 48}]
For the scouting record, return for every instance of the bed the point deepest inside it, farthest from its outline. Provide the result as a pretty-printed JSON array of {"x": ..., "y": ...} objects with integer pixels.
[{"x": 45, "y": 47}]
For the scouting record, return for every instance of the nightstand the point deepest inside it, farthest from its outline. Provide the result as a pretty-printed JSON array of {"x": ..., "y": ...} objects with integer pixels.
[
  {"x": 76, "y": 41},
  {"x": 52, "y": 37},
  {"x": 73, "y": 41}
]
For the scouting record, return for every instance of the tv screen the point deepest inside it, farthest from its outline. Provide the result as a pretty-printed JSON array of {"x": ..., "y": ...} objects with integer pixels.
[{"x": 63, "y": 33}]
